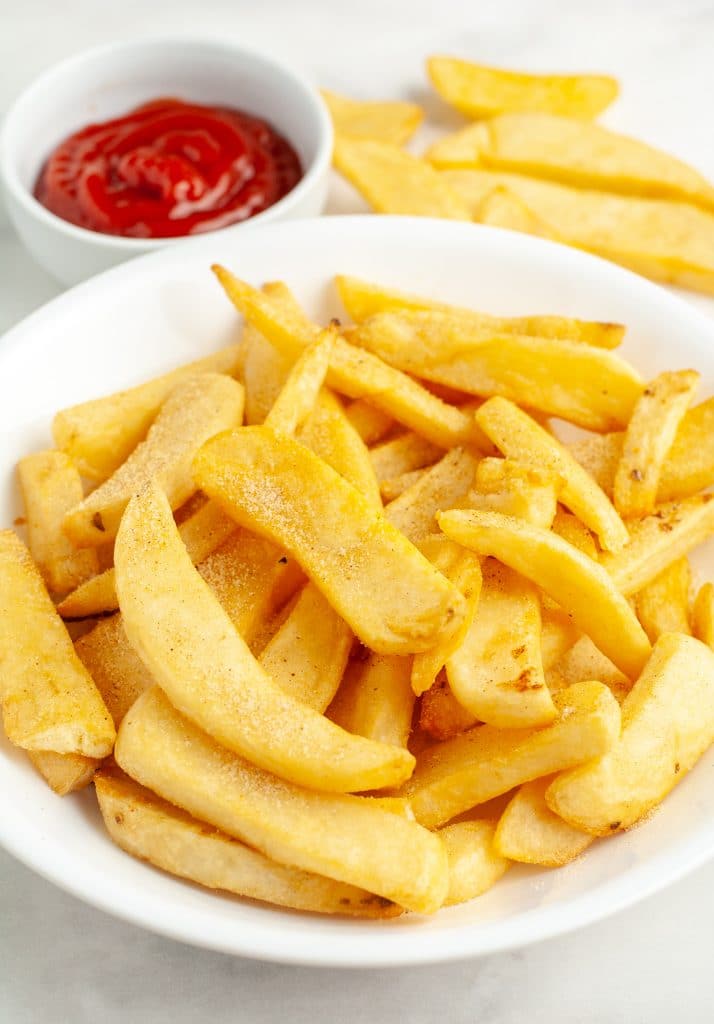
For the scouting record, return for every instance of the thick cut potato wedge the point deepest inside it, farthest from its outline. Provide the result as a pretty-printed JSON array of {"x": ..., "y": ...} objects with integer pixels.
[
  {"x": 395, "y": 486},
  {"x": 49, "y": 702},
  {"x": 117, "y": 670},
  {"x": 452, "y": 777},
  {"x": 64, "y": 773},
  {"x": 265, "y": 371},
  {"x": 599, "y": 454},
  {"x": 363, "y": 299},
  {"x": 192, "y": 650},
  {"x": 658, "y": 540},
  {"x": 147, "y": 827},
  {"x": 497, "y": 672},
  {"x": 401, "y": 455},
  {"x": 298, "y": 396},
  {"x": 572, "y": 529},
  {"x": 198, "y": 408},
  {"x": 392, "y": 598},
  {"x": 580, "y": 586},
  {"x": 327, "y": 833},
  {"x": 502, "y": 208},
  {"x": 529, "y": 832},
  {"x": 667, "y": 724},
  {"x": 50, "y": 485},
  {"x": 663, "y": 605},
  {"x": 668, "y": 241},
  {"x": 354, "y": 372},
  {"x": 648, "y": 438},
  {"x": 443, "y": 486},
  {"x": 394, "y": 181},
  {"x": 584, "y": 661},
  {"x": 474, "y": 863},
  {"x": 308, "y": 655},
  {"x": 588, "y": 386},
  {"x": 375, "y": 699},
  {"x": 371, "y": 423},
  {"x": 519, "y": 437},
  {"x": 479, "y": 91},
  {"x": 101, "y": 434},
  {"x": 516, "y": 489},
  {"x": 557, "y": 636},
  {"x": 574, "y": 153},
  {"x": 385, "y": 121},
  {"x": 441, "y": 716},
  {"x": 703, "y": 615}
]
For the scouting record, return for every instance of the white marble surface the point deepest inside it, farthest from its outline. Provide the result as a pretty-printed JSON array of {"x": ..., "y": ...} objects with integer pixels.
[{"x": 62, "y": 961}]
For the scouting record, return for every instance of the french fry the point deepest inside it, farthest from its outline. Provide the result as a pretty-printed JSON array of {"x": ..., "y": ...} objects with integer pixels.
[
  {"x": 49, "y": 702},
  {"x": 363, "y": 299},
  {"x": 557, "y": 635},
  {"x": 395, "y": 486},
  {"x": 452, "y": 777},
  {"x": 584, "y": 661},
  {"x": 51, "y": 486},
  {"x": 327, "y": 833},
  {"x": 580, "y": 586},
  {"x": 394, "y": 181},
  {"x": 197, "y": 409},
  {"x": 658, "y": 540},
  {"x": 64, "y": 773},
  {"x": 375, "y": 699},
  {"x": 151, "y": 829},
  {"x": 504, "y": 209},
  {"x": 667, "y": 724},
  {"x": 516, "y": 489},
  {"x": 202, "y": 532},
  {"x": 441, "y": 716},
  {"x": 663, "y": 605},
  {"x": 298, "y": 396},
  {"x": 401, "y": 455},
  {"x": 101, "y": 434},
  {"x": 662, "y": 239},
  {"x": 703, "y": 615},
  {"x": 117, "y": 670},
  {"x": 394, "y": 601},
  {"x": 308, "y": 654},
  {"x": 529, "y": 832},
  {"x": 586, "y": 385},
  {"x": 386, "y": 121},
  {"x": 497, "y": 672},
  {"x": 371, "y": 423},
  {"x": 479, "y": 91},
  {"x": 353, "y": 372},
  {"x": 574, "y": 153},
  {"x": 189, "y": 645},
  {"x": 520, "y": 437},
  {"x": 648, "y": 438},
  {"x": 414, "y": 511},
  {"x": 474, "y": 863},
  {"x": 599, "y": 455},
  {"x": 574, "y": 531},
  {"x": 265, "y": 371}
]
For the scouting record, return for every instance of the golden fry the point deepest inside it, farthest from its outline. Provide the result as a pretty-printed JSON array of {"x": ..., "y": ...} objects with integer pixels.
[
  {"x": 375, "y": 699},
  {"x": 474, "y": 863},
  {"x": 531, "y": 833},
  {"x": 663, "y": 605},
  {"x": 386, "y": 121}
]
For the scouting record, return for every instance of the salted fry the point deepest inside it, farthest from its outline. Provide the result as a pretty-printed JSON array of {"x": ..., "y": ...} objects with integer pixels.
[
  {"x": 327, "y": 833},
  {"x": 516, "y": 489},
  {"x": 519, "y": 437},
  {"x": 584, "y": 661},
  {"x": 265, "y": 371},
  {"x": 197, "y": 409},
  {"x": 191, "y": 648},
  {"x": 574, "y": 531},
  {"x": 394, "y": 601},
  {"x": 116, "y": 669},
  {"x": 557, "y": 636},
  {"x": 479, "y": 91},
  {"x": 663, "y": 605},
  {"x": 474, "y": 863},
  {"x": 385, "y": 121},
  {"x": 497, "y": 672},
  {"x": 529, "y": 832},
  {"x": 371, "y": 423},
  {"x": 396, "y": 485},
  {"x": 703, "y": 615},
  {"x": 580, "y": 586},
  {"x": 51, "y": 486},
  {"x": 394, "y": 181},
  {"x": 648, "y": 438},
  {"x": 689, "y": 466},
  {"x": 101, "y": 434},
  {"x": 362, "y": 299},
  {"x": 667, "y": 724},
  {"x": 504, "y": 209},
  {"x": 453, "y": 777},
  {"x": 588, "y": 386},
  {"x": 375, "y": 699},
  {"x": 441, "y": 716},
  {"x": 444, "y": 485},
  {"x": 64, "y": 773},
  {"x": 151, "y": 829},
  {"x": 658, "y": 540},
  {"x": 402, "y": 454},
  {"x": 298, "y": 395},
  {"x": 599, "y": 455},
  {"x": 49, "y": 702}
]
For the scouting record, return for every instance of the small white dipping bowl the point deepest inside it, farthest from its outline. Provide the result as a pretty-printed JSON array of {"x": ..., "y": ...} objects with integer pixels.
[{"x": 110, "y": 81}]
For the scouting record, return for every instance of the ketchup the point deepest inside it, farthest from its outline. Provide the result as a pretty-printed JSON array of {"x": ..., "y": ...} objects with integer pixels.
[{"x": 168, "y": 168}]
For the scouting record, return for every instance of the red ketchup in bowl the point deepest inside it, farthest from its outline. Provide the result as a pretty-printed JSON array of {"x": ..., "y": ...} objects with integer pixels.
[{"x": 166, "y": 169}]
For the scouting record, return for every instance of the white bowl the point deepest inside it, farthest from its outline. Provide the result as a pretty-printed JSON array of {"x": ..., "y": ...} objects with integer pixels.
[
  {"x": 109, "y": 81},
  {"x": 148, "y": 315}
]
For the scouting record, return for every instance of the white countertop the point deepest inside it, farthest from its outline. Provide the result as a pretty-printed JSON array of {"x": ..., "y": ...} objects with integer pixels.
[{"x": 63, "y": 961}]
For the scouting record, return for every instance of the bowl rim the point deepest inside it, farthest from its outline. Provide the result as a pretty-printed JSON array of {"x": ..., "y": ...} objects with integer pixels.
[{"x": 17, "y": 191}]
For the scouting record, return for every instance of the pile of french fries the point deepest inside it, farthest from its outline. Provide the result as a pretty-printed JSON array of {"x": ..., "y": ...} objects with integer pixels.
[
  {"x": 333, "y": 619},
  {"x": 532, "y": 159}
]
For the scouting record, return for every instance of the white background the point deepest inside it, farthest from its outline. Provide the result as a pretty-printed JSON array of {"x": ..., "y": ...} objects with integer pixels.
[{"x": 62, "y": 961}]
